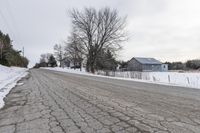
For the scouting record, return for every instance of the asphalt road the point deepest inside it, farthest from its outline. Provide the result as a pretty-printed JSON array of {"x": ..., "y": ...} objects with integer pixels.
[{"x": 55, "y": 102}]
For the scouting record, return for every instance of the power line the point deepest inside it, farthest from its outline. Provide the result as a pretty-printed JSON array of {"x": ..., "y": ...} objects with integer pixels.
[
  {"x": 13, "y": 19},
  {"x": 6, "y": 23}
]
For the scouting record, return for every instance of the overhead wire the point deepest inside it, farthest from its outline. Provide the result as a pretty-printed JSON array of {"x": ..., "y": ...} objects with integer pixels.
[
  {"x": 13, "y": 20},
  {"x": 12, "y": 26},
  {"x": 6, "y": 24}
]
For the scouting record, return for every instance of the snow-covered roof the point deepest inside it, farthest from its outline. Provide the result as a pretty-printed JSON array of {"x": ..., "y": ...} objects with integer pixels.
[{"x": 148, "y": 61}]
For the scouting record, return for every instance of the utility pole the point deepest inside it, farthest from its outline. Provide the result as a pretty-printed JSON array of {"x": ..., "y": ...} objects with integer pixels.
[{"x": 23, "y": 51}]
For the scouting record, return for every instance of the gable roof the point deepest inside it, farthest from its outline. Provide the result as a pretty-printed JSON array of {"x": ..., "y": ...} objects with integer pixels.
[{"x": 149, "y": 61}]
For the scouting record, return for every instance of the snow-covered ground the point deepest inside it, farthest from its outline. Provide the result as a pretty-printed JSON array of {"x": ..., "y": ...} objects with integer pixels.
[
  {"x": 83, "y": 71},
  {"x": 185, "y": 79},
  {"x": 9, "y": 76},
  {"x": 191, "y": 80},
  {"x": 176, "y": 78}
]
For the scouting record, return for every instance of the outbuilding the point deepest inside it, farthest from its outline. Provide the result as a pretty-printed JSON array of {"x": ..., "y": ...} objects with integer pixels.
[{"x": 145, "y": 64}]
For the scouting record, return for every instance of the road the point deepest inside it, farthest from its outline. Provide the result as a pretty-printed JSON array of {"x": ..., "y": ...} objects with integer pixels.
[{"x": 55, "y": 102}]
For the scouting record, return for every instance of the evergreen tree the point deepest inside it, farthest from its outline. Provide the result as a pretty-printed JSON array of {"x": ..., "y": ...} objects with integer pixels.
[
  {"x": 52, "y": 61},
  {"x": 106, "y": 61},
  {"x": 8, "y": 55}
]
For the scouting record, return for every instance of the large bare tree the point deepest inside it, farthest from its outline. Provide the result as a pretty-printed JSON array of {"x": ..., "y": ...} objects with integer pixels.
[{"x": 97, "y": 30}]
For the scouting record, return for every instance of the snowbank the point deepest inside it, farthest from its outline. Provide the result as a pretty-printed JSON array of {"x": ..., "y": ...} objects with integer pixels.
[
  {"x": 83, "y": 71},
  {"x": 191, "y": 80},
  {"x": 9, "y": 76}
]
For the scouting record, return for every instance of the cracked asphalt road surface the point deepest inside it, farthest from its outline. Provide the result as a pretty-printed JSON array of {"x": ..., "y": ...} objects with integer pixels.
[{"x": 55, "y": 102}]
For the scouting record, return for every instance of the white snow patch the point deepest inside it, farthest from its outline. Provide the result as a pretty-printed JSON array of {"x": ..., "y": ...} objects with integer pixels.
[
  {"x": 9, "y": 76},
  {"x": 19, "y": 84},
  {"x": 186, "y": 79},
  {"x": 69, "y": 70}
]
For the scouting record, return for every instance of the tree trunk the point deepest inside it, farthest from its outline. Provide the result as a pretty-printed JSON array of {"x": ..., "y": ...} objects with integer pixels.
[
  {"x": 87, "y": 66},
  {"x": 92, "y": 66},
  {"x": 80, "y": 66},
  {"x": 91, "y": 61},
  {"x": 74, "y": 64},
  {"x": 60, "y": 63}
]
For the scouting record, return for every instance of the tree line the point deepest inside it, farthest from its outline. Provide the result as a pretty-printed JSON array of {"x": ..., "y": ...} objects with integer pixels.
[
  {"x": 188, "y": 65},
  {"x": 8, "y": 55},
  {"x": 67, "y": 52},
  {"x": 46, "y": 60},
  {"x": 95, "y": 38}
]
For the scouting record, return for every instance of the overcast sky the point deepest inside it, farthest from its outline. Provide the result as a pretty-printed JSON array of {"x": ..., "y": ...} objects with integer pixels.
[{"x": 168, "y": 30}]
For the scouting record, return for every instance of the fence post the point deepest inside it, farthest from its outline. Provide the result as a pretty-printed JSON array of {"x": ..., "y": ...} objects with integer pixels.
[
  {"x": 169, "y": 78},
  {"x": 188, "y": 80}
]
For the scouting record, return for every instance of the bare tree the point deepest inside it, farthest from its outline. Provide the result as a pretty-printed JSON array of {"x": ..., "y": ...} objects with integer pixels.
[
  {"x": 74, "y": 50},
  {"x": 59, "y": 53},
  {"x": 45, "y": 57},
  {"x": 98, "y": 30}
]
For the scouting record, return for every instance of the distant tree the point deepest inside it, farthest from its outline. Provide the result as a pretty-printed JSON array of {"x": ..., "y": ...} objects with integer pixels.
[
  {"x": 52, "y": 61},
  {"x": 25, "y": 62},
  {"x": 123, "y": 65},
  {"x": 175, "y": 65},
  {"x": 44, "y": 60},
  {"x": 37, "y": 65},
  {"x": 97, "y": 30},
  {"x": 59, "y": 53},
  {"x": 45, "y": 57},
  {"x": 193, "y": 64},
  {"x": 74, "y": 50}
]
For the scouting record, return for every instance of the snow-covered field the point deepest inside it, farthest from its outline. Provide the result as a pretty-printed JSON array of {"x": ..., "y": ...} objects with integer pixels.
[
  {"x": 183, "y": 79},
  {"x": 186, "y": 79},
  {"x": 191, "y": 80},
  {"x": 9, "y": 76}
]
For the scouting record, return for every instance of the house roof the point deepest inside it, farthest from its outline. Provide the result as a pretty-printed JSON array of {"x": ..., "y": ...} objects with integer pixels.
[{"x": 149, "y": 61}]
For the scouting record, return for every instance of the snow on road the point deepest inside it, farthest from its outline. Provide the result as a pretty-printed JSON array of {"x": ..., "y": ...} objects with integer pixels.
[
  {"x": 9, "y": 76},
  {"x": 191, "y": 80}
]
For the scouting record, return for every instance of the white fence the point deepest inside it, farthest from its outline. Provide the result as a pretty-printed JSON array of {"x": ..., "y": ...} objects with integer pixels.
[{"x": 174, "y": 78}]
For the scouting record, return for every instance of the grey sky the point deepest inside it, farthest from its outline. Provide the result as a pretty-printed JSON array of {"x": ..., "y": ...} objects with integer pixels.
[{"x": 164, "y": 29}]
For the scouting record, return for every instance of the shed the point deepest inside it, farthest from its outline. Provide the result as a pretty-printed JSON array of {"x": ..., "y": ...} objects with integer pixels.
[{"x": 144, "y": 64}]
